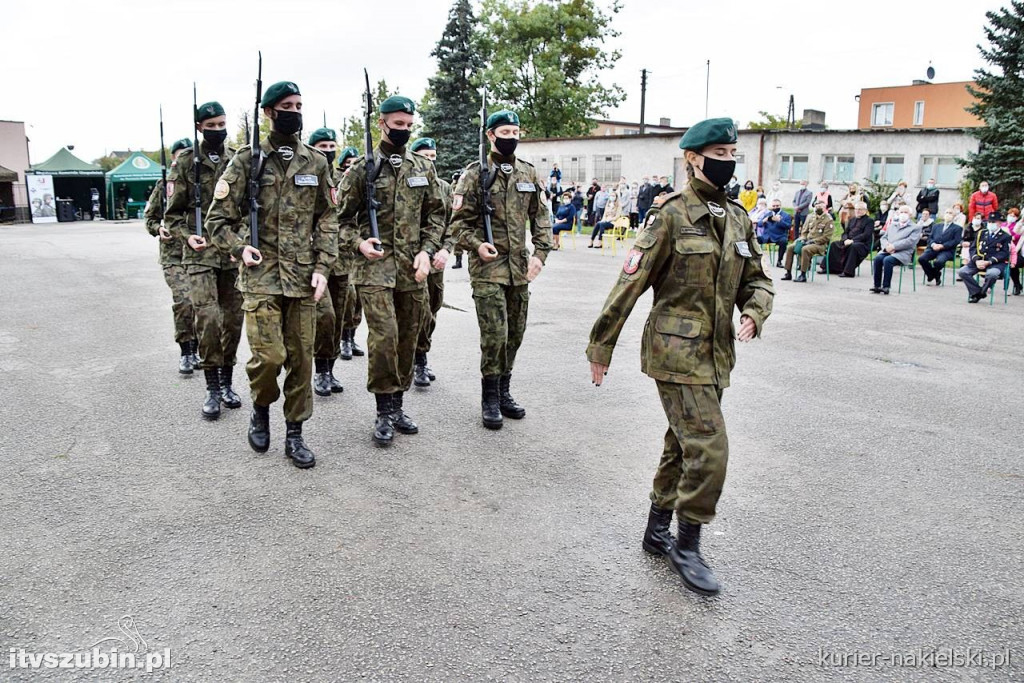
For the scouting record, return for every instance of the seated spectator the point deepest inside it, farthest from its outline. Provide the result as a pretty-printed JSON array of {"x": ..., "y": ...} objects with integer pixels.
[
  {"x": 960, "y": 218},
  {"x": 1016, "y": 229},
  {"x": 775, "y": 192},
  {"x": 761, "y": 194},
  {"x": 899, "y": 244},
  {"x": 928, "y": 199},
  {"x": 925, "y": 221},
  {"x": 882, "y": 219},
  {"x": 990, "y": 252},
  {"x": 853, "y": 195},
  {"x": 970, "y": 233},
  {"x": 853, "y": 246},
  {"x": 813, "y": 241},
  {"x": 774, "y": 227},
  {"x": 846, "y": 212},
  {"x": 757, "y": 212},
  {"x": 943, "y": 242},
  {"x": 732, "y": 190},
  {"x": 599, "y": 229},
  {"x": 564, "y": 219},
  {"x": 608, "y": 216},
  {"x": 748, "y": 198}
]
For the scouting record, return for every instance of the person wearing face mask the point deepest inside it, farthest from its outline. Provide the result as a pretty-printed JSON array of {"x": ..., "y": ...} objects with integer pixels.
[
  {"x": 748, "y": 197},
  {"x": 943, "y": 242},
  {"x": 813, "y": 241},
  {"x": 983, "y": 202},
  {"x": 698, "y": 252},
  {"x": 774, "y": 228},
  {"x": 990, "y": 252},
  {"x": 422, "y": 374},
  {"x": 899, "y": 243},
  {"x": 1016, "y": 230},
  {"x": 899, "y": 194},
  {"x": 563, "y": 220},
  {"x": 282, "y": 280},
  {"x": 775, "y": 192},
  {"x": 801, "y": 205},
  {"x": 353, "y": 309},
  {"x": 212, "y": 273},
  {"x": 853, "y": 246},
  {"x": 732, "y": 190},
  {"x": 928, "y": 198},
  {"x": 881, "y": 221},
  {"x": 823, "y": 195},
  {"x": 390, "y": 273},
  {"x": 500, "y": 273}
]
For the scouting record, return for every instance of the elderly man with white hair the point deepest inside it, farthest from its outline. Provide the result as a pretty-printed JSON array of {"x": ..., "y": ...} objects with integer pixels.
[{"x": 899, "y": 241}]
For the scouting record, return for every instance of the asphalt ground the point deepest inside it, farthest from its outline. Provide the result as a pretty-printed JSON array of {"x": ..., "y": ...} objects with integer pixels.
[{"x": 873, "y": 507}]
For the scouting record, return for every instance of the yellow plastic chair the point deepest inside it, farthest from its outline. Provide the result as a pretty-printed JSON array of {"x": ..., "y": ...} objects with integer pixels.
[{"x": 618, "y": 231}]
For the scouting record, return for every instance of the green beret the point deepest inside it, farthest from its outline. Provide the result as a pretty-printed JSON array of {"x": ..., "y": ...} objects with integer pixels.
[
  {"x": 504, "y": 117},
  {"x": 208, "y": 111},
  {"x": 423, "y": 143},
  {"x": 322, "y": 134},
  {"x": 184, "y": 143},
  {"x": 397, "y": 103},
  {"x": 346, "y": 153},
  {"x": 278, "y": 92},
  {"x": 709, "y": 132}
]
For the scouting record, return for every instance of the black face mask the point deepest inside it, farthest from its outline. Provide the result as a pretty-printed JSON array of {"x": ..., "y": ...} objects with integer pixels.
[
  {"x": 215, "y": 138},
  {"x": 506, "y": 146},
  {"x": 718, "y": 172},
  {"x": 287, "y": 122},
  {"x": 330, "y": 157},
  {"x": 398, "y": 138}
]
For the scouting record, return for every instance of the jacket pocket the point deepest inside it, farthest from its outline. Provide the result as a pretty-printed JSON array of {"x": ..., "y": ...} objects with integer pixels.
[
  {"x": 693, "y": 262},
  {"x": 677, "y": 345}
]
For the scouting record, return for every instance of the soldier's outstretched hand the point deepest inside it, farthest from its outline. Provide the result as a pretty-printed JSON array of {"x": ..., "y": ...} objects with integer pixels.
[
  {"x": 319, "y": 283},
  {"x": 597, "y": 373},
  {"x": 368, "y": 248},
  {"x": 533, "y": 269},
  {"x": 251, "y": 256},
  {"x": 487, "y": 252},
  {"x": 422, "y": 266},
  {"x": 748, "y": 329}
]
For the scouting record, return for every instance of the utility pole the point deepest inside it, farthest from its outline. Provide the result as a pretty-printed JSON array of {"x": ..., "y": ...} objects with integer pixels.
[
  {"x": 791, "y": 115},
  {"x": 643, "y": 99},
  {"x": 707, "y": 90}
]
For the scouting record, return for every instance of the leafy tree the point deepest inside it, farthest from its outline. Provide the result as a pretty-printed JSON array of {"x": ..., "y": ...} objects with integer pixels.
[
  {"x": 545, "y": 59},
  {"x": 1000, "y": 159},
  {"x": 770, "y": 122},
  {"x": 450, "y": 105},
  {"x": 243, "y": 136}
]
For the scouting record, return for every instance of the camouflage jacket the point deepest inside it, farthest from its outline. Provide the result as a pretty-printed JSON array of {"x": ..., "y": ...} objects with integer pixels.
[
  {"x": 517, "y": 198},
  {"x": 170, "y": 251},
  {"x": 447, "y": 242},
  {"x": 180, "y": 218},
  {"x": 410, "y": 219},
  {"x": 343, "y": 265},
  {"x": 699, "y": 253},
  {"x": 297, "y": 228},
  {"x": 818, "y": 229}
]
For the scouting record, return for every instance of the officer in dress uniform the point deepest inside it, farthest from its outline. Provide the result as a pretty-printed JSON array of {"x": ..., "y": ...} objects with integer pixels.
[{"x": 990, "y": 252}]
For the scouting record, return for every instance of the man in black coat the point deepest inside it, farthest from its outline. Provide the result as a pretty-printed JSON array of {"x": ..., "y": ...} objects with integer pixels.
[
  {"x": 592, "y": 191},
  {"x": 846, "y": 253},
  {"x": 644, "y": 199},
  {"x": 928, "y": 198},
  {"x": 943, "y": 242}
]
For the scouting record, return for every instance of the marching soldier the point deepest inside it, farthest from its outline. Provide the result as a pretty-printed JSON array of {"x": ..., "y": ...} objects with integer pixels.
[
  {"x": 391, "y": 281},
  {"x": 700, "y": 255},
  {"x": 353, "y": 309},
  {"x": 281, "y": 281},
  {"x": 212, "y": 273},
  {"x": 500, "y": 273},
  {"x": 422, "y": 374},
  {"x": 174, "y": 272}
]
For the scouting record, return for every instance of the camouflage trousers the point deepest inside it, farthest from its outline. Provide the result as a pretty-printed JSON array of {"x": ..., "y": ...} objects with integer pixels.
[
  {"x": 181, "y": 303},
  {"x": 393, "y": 319},
  {"x": 501, "y": 314},
  {"x": 435, "y": 294},
  {"x": 692, "y": 469},
  {"x": 807, "y": 252},
  {"x": 218, "y": 307},
  {"x": 330, "y": 317},
  {"x": 353, "y": 309},
  {"x": 281, "y": 331}
]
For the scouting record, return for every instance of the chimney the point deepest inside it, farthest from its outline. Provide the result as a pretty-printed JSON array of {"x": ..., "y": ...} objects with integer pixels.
[
  {"x": 813, "y": 119},
  {"x": 665, "y": 122}
]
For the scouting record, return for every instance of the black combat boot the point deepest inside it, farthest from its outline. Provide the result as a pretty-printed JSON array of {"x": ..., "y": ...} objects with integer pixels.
[
  {"x": 336, "y": 387},
  {"x": 458, "y": 261},
  {"x": 658, "y": 539},
  {"x": 509, "y": 407},
  {"x": 346, "y": 344},
  {"x": 259, "y": 428},
  {"x": 430, "y": 373},
  {"x": 402, "y": 422},
  {"x": 490, "y": 405},
  {"x": 383, "y": 430},
  {"x": 211, "y": 406},
  {"x": 321, "y": 380},
  {"x": 185, "y": 362},
  {"x": 419, "y": 377},
  {"x": 687, "y": 561},
  {"x": 194, "y": 353},
  {"x": 356, "y": 351},
  {"x": 227, "y": 395},
  {"x": 295, "y": 448}
]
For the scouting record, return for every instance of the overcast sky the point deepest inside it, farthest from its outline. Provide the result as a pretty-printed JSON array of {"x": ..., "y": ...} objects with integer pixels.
[{"x": 89, "y": 73}]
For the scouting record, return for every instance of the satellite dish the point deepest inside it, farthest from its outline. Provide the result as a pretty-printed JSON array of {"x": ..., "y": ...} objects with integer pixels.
[{"x": 930, "y": 72}]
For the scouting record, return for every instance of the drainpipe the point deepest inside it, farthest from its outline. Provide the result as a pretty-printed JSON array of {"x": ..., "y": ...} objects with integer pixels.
[{"x": 760, "y": 161}]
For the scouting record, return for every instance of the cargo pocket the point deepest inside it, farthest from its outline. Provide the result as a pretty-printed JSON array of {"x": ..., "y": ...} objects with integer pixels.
[
  {"x": 262, "y": 326},
  {"x": 677, "y": 344},
  {"x": 694, "y": 262}
]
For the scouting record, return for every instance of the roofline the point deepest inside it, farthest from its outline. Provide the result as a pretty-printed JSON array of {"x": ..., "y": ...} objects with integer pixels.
[
  {"x": 636, "y": 123},
  {"x": 775, "y": 131},
  {"x": 919, "y": 85},
  {"x": 9, "y": 121}
]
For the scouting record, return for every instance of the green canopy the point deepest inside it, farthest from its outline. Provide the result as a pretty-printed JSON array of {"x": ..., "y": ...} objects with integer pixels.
[
  {"x": 64, "y": 163},
  {"x": 136, "y": 167},
  {"x": 129, "y": 185}
]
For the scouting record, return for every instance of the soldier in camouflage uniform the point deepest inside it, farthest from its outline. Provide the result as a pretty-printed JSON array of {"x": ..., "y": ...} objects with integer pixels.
[
  {"x": 698, "y": 251},
  {"x": 174, "y": 272},
  {"x": 283, "y": 280},
  {"x": 353, "y": 314},
  {"x": 814, "y": 236},
  {"x": 500, "y": 273},
  {"x": 212, "y": 273},
  {"x": 392, "y": 282},
  {"x": 458, "y": 247},
  {"x": 422, "y": 374}
]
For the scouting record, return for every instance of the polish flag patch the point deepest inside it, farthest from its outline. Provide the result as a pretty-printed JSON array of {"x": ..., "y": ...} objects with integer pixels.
[
  {"x": 334, "y": 195},
  {"x": 170, "y": 188},
  {"x": 632, "y": 263},
  {"x": 456, "y": 202}
]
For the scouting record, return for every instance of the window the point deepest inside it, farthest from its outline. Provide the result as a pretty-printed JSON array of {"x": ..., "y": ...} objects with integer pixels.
[
  {"x": 608, "y": 167},
  {"x": 881, "y": 114},
  {"x": 943, "y": 169},
  {"x": 886, "y": 169},
  {"x": 741, "y": 168},
  {"x": 837, "y": 168},
  {"x": 793, "y": 167},
  {"x": 919, "y": 113},
  {"x": 630, "y": 131},
  {"x": 574, "y": 168}
]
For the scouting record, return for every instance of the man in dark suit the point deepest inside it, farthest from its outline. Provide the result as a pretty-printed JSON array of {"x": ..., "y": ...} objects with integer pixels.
[
  {"x": 846, "y": 253},
  {"x": 942, "y": 245}
]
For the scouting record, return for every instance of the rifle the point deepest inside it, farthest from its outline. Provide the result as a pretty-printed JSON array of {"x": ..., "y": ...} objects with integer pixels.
[
  {"x": 487, "y": 176},
  {"x": 372, "y": 169},
  {"x": 197, "y": 166},
  {"x": 163, "y": 168},
  {"x": 256, "y": 164}
]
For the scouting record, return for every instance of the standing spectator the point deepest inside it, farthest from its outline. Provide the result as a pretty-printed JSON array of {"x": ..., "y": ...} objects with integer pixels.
[
  {"x": 663, "y": 189},
  {"x": 900, "y": 193},
  {"x": 928, "y": 198},
  {"x": 577, "y": 206},
  {"x": 1016, "y": 229},
  {"x": 555, "y": 179},
  {"x": 600, "y": 202},
  {"x": 591, "y": 193},
  {"x": 748, "y": 198},
  {"x": 824, "y": 196},
  {"x": 774, "y": 227},
  {"x": 982, "y": 202},
  {"x": 644, "y": 199},
  {"x": 853, "y": 195},
  {"x": 944, "y": 240},
  {"x": 852, "y": 247},
  {"x": 801, "y": 205},
  {"x": 732, "y": 190},
  {"x": 899, "y": 243},
  {"x": 989, "y": 253},
  {"x": 775, "y": 192},
  {"x": 624, "y": 197},
  {"x": 634, "y": 210}
]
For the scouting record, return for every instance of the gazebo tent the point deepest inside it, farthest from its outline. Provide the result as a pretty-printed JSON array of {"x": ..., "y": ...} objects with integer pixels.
[
  {"x": 73, "y": 179},
  {"x": 138, "y": 173}
]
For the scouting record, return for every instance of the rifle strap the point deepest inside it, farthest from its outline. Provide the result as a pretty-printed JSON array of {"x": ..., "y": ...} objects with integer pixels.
[{"x": 492, "y": 176}]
